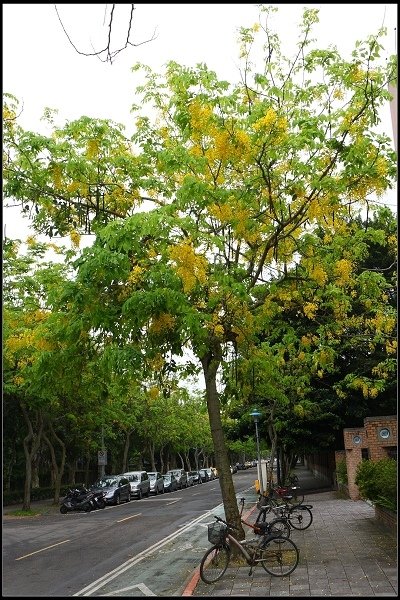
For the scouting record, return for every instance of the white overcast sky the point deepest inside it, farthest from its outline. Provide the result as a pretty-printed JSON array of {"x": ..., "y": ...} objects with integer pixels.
[{"x": 41, "y": 68}]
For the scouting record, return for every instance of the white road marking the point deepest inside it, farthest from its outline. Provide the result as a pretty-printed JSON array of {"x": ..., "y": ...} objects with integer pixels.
[
  {"x": 127, "y": 518},
  {"x": 96, "y": 585},
  {"x": 173, "y": 502},
  {"x": 142, "y": 587},
  {"x": 43, "y": 549}
]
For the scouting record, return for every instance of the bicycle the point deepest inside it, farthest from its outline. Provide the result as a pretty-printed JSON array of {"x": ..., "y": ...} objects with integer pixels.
[
  {"x": 298, "y": 517},
  {"x": 278, "y": 556},
  {"x": 279, "y": 491},
  {"x": 278, "y": 527}
]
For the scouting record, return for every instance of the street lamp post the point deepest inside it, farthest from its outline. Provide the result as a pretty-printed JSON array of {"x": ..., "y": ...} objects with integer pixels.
[{"x": 255, "y": 414}]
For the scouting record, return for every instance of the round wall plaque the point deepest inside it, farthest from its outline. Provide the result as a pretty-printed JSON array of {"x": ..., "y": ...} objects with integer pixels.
[
  {"x": 357, "y": 439},
  {"x": 384, "y": 433}
]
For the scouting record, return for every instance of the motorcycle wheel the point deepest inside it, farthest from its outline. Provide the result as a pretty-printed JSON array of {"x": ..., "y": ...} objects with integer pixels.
[
  {"x": 101, "y": 503},
  {"x": 63, "y": 509},
  {"x": 88, "y": 507}
]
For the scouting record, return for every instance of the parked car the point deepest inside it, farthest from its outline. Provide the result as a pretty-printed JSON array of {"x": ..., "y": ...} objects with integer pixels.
[
  {"x": 210, "y": 473},
  {"x": 190, "y": 479},
  {"x": 170, "y": 482},
  {"x": 140, "y": 483},
  {"x": 116, "y": 488},
  {"x": 180, "y": 476},
  {"x": 195, "y": 475},
  {"x": 215, "y": 471},
  {"x": 156, "y": 482},
  {"x": 233, "y": 469},
  {"x": 204, "y": 475}
]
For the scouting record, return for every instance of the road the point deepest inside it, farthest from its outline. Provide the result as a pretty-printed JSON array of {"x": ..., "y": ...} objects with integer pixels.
[{"x": 146, "y": 547}]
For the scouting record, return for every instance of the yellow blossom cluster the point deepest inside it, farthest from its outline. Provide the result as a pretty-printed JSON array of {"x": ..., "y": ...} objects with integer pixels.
[
  {"x": 135, "y": 276},
  {"x": 338, "y": 94},
  {"x": 191, "y": 267},
  {"x": 391, "y": 346},
  {"x": 343, "y": 271},
  {"x": 162, "y": 322},
  {"x": 271, "y": 123},
  {"x": 310, "y": 309},
  {"x": 153, "y": 392},
  {"x": 75, "y": 238},
  {"x": 318, "y": 274},
  {"x": 92, "y": 149},
  {"x": 157, "y": 362}
]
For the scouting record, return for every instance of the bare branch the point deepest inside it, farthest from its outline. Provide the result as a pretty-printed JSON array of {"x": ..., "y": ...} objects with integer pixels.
[{"x": 107, "y": 51}]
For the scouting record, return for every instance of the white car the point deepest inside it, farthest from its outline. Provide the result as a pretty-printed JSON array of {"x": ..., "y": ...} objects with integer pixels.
[{"x": 156, "y": 482}]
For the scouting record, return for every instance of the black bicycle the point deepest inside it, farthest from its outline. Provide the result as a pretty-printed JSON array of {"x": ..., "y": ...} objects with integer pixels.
[
  {"x": 279, "y": 556},
  {"x": 298, "y": 516}
]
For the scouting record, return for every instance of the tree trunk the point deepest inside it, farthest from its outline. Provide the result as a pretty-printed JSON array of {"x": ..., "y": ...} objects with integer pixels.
[
  {"x": 126, "y": 452},
  {"x": 57, "y": 469},
  {"x": 151, "y": 453},
  {"x": 31, "y": 446},
  {"x": 161, "y": 455},
  {"x": 71, "y": 473},
  {"x": 210, "y": 362},
  {"x": 182, "y": 461},
  {"x": 35, "y": 462}
]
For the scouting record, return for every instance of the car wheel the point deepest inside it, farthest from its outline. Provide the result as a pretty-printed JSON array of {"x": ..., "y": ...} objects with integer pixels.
[
  {"x": 163, "y": 490},
  {"x": 147, "y": 493},
  {"x": 129, "y": 497},
  {"x": 140, "y": 495},
  {"x": 117, "y": 499},
  {"x": 156, "y": 491}
]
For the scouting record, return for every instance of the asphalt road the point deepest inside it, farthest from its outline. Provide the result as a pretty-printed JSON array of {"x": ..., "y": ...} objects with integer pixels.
[{"x": 146, "y": 547}]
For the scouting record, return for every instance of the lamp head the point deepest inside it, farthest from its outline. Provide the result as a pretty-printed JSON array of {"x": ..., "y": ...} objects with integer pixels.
[{"x": 255, "y": 414}]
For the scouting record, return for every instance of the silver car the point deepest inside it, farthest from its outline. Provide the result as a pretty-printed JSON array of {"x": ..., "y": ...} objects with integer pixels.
[
  {"x": 180, "y": 476},
  {"x": 156, "y": 482},
  {"x": 115, "y": 487},
  {"x": 139, "y": 482}
]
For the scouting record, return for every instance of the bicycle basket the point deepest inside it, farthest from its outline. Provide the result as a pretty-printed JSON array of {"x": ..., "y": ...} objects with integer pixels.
[{"x": 216, "y": 532}]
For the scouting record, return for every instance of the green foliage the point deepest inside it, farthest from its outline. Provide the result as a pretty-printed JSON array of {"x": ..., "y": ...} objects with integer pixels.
[
  {"x": 377, "y": 482},
  {"x": 341, "y": 471}
]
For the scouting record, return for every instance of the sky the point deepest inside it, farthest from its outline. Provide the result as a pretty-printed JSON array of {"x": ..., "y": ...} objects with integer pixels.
[{"x": 42, "y": 69}]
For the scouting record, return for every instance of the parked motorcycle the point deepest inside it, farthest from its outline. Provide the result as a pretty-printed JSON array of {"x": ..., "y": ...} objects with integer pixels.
[{"x": 82, "y": 500}]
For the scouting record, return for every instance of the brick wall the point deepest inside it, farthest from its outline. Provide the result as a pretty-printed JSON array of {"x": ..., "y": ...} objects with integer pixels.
[
  {"x": 377, "y": 445},
  {"x": 377, "y": 438}
]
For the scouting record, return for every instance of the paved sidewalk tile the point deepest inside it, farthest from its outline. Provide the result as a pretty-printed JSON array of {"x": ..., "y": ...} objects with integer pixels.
[{"x": 345, "y": 552}]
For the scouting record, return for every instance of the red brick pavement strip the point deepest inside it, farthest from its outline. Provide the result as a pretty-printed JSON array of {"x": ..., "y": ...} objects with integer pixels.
[{"x": 345, "y": 552}]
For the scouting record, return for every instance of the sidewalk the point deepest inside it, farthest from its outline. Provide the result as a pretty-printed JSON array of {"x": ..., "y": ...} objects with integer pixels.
[{"x": 345, "y": 552}]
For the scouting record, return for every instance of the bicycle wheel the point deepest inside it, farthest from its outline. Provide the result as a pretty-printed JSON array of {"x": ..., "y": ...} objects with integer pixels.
[
  {"x": 300, "y": 517},
  {"x": 262, "y": 515},
  {"x": 280, "y": 528},
  {"x": 279, "y": 557},
  {"x": 214, "y": 563}
]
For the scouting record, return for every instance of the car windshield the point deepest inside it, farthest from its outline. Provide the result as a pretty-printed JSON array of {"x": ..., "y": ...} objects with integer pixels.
[
  {"x": 135, "y": 477},
  {"x": 167, "y": 476},
  {"x": 105, "y": 483},
  {"x": 152, "y": 475}
]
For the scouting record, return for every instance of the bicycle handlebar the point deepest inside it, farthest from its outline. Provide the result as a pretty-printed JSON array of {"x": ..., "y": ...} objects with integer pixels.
[{"x": 222, "y": 521}]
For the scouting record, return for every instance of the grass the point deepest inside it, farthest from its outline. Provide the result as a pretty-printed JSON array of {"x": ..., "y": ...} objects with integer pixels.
[{"x": 24, "y": 513}]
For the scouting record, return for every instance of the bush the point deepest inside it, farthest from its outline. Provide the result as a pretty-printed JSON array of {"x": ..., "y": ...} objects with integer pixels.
[
  {"x": 341, "y": 471},
  {"x": 17, "y": 496},
  {"x": 377, "y": 482}
]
